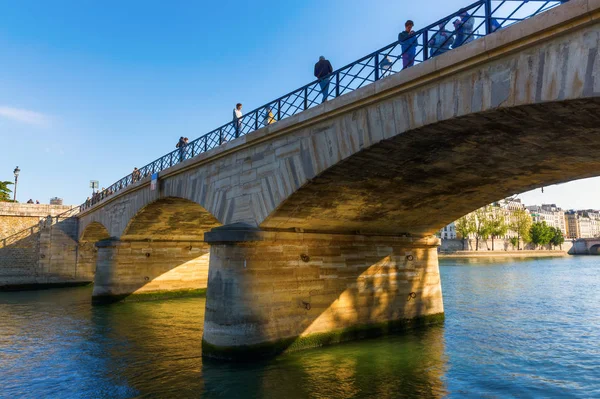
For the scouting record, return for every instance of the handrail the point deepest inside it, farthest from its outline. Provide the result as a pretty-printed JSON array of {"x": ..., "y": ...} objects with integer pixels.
[{"x": 419, "y": 47}]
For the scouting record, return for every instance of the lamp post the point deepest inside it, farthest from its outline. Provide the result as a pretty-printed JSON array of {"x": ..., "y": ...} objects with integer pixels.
[{"x": 16, "y": 172}]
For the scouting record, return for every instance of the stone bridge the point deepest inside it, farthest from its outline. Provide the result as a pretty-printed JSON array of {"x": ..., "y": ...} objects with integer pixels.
[
  {"x": 586, "y": 246},
  {"x": 318, "y": 228}
]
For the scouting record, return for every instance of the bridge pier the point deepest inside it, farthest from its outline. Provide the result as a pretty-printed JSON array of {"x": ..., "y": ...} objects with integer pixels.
[
  {"x": 270, "y": 292},
  {"x": 148, "y": 268}
]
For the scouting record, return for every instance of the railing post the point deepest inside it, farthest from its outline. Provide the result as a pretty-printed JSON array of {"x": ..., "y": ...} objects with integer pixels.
[
  {"x": 376, "y": 58},
  {"x": 306, "y": 97},
  {"x": 205, "y": 143},
  {"x": 488, "y": 17},
  {"x": 279, "y": 109},
  {"x": 256, "y": 121},
  {"x": 221, "y": 134},
  {"x": 337, "y": 84},
  {"x": 425, "y": 45}
]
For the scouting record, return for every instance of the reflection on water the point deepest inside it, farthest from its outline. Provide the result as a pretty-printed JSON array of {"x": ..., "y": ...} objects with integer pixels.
[{"x": 513, "y": 329}]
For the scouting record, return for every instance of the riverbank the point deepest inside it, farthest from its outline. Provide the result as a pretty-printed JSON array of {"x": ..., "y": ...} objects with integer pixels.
[{"x": 503, "y": 254}]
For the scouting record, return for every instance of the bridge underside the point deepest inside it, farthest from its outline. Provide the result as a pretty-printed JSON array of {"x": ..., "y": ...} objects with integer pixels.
[{"x": 421, "y": 180}]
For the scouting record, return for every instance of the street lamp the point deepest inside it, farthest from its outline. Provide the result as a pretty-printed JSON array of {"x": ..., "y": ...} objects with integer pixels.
[{"x": 16, "y": 172}]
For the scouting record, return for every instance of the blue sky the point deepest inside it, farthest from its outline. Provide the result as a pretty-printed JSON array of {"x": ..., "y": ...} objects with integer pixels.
[{"x": 89, "y": 89}]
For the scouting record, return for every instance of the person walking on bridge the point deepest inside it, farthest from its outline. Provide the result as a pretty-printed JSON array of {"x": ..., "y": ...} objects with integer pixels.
[
  {"x": 237, "y": 119},
  {"x": 408, "y": 42},
  {"x": 323, "y": 69},
  {"x": 181, "y": 146}
]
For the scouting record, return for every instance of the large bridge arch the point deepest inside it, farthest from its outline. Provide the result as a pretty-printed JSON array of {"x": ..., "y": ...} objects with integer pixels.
[
  {"x": 399, "y": 152},
  {"x": 418, "y": 181}
]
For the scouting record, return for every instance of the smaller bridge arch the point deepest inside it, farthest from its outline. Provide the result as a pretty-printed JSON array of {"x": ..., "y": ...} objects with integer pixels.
[
  {"x": 161, "y": 248},
  {"x": 170, "y": 218}
]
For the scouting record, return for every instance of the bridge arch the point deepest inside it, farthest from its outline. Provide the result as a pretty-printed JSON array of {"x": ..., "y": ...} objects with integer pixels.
[
  {"x": 595, "y": 249},
  {"x": 170, "y": 218},
  {"x": 161, "y": 249},
  {"x": 418, "y": 181}
]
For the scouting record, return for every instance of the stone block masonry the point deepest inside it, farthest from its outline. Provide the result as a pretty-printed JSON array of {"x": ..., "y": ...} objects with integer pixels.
[
  {"x": 132, "y": 268},
  {"x": 38, "y": 247},
  {"x": 270, "y": 292}
]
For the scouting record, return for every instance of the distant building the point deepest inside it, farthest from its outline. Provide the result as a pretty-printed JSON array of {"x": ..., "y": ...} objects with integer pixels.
[
  {"x": 549, "y": 213},
  {"x": 448, "y": 232},
  {"x": 56, "y": 201}
]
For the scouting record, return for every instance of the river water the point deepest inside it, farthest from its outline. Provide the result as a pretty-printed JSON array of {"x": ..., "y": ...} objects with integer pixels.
[{"x": 526, "y": 329}]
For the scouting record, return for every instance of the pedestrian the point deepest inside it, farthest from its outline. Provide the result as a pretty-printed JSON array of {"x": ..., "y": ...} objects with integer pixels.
[
  {"x": 237, "y": 119},
  {"x": 269, "y": 117},
  {"x": 463, "y": 29},
  {"x": 323, "y": 69},
  {"x": 385, "y": 65},
  {"x": 37, "y": 202},
  {"x": 181, "y": 146},
  {"x": 441, "y": 41},
  {"x": 135, "y": 176},
  {"x": 408, "y": 41},
  {"x": 30, "y": 201}
]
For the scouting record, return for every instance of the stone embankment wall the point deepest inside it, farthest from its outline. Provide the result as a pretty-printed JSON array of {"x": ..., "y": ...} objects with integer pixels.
[
  {"x": 38, "y": 246},
  {"x": 500, "y": 245}
]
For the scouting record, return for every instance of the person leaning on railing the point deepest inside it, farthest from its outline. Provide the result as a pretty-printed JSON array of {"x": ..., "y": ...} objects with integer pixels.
[
  {"x": 463, "y": 28},
  {"x": 441, "y": 41}
]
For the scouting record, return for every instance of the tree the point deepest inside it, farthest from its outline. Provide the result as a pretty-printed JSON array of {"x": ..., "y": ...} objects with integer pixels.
[
  {"x": 521, "y": 224},
  {"x": 482, "y": 226},
  {"x": 540, "y": 233},
  {"x": 496, "y": 224},
  {"x": 5, "y": 191},
  {"x": 514, "y": 241},
  {"x": 465, "y": 226},
  {"x": 557, "y": 237}
]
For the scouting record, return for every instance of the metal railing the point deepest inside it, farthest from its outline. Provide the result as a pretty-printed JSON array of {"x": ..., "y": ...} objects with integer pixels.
[{"x": 470, "y": 23}]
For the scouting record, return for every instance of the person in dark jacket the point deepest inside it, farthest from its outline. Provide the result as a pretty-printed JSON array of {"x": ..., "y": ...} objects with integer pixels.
[
  {"x": 441, "y": 41},
  {"x": 181, "y": 146},
  {"x": 408, "y": 41},
  {"x": 463, "y": 29},
  {"x": 323, "y": 69}
]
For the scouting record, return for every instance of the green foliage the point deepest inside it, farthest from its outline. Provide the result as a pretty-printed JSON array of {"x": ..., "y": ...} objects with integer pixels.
[
  {"x": 521, "y": 223},
  {"x": 557, "y": 237},
  {"x": 482, "y": 226},
  {"x": 540, "y": 233},
  {"x": 5, "y": 191},
  {"x": 465, "y": 226},
  {"x": 514, "y": 241},
  {"x": 496, "y": 224}
]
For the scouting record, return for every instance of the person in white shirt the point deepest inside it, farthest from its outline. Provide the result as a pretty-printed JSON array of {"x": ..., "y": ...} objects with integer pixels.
[{"x": 237, "y": 119}]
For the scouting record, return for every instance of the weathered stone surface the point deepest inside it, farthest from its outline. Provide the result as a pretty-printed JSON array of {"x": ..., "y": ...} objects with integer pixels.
[
  {"x": 38, "y": 246},
  {"x": 279, "y": 287},
  {"x": 127, "y": 268}
]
